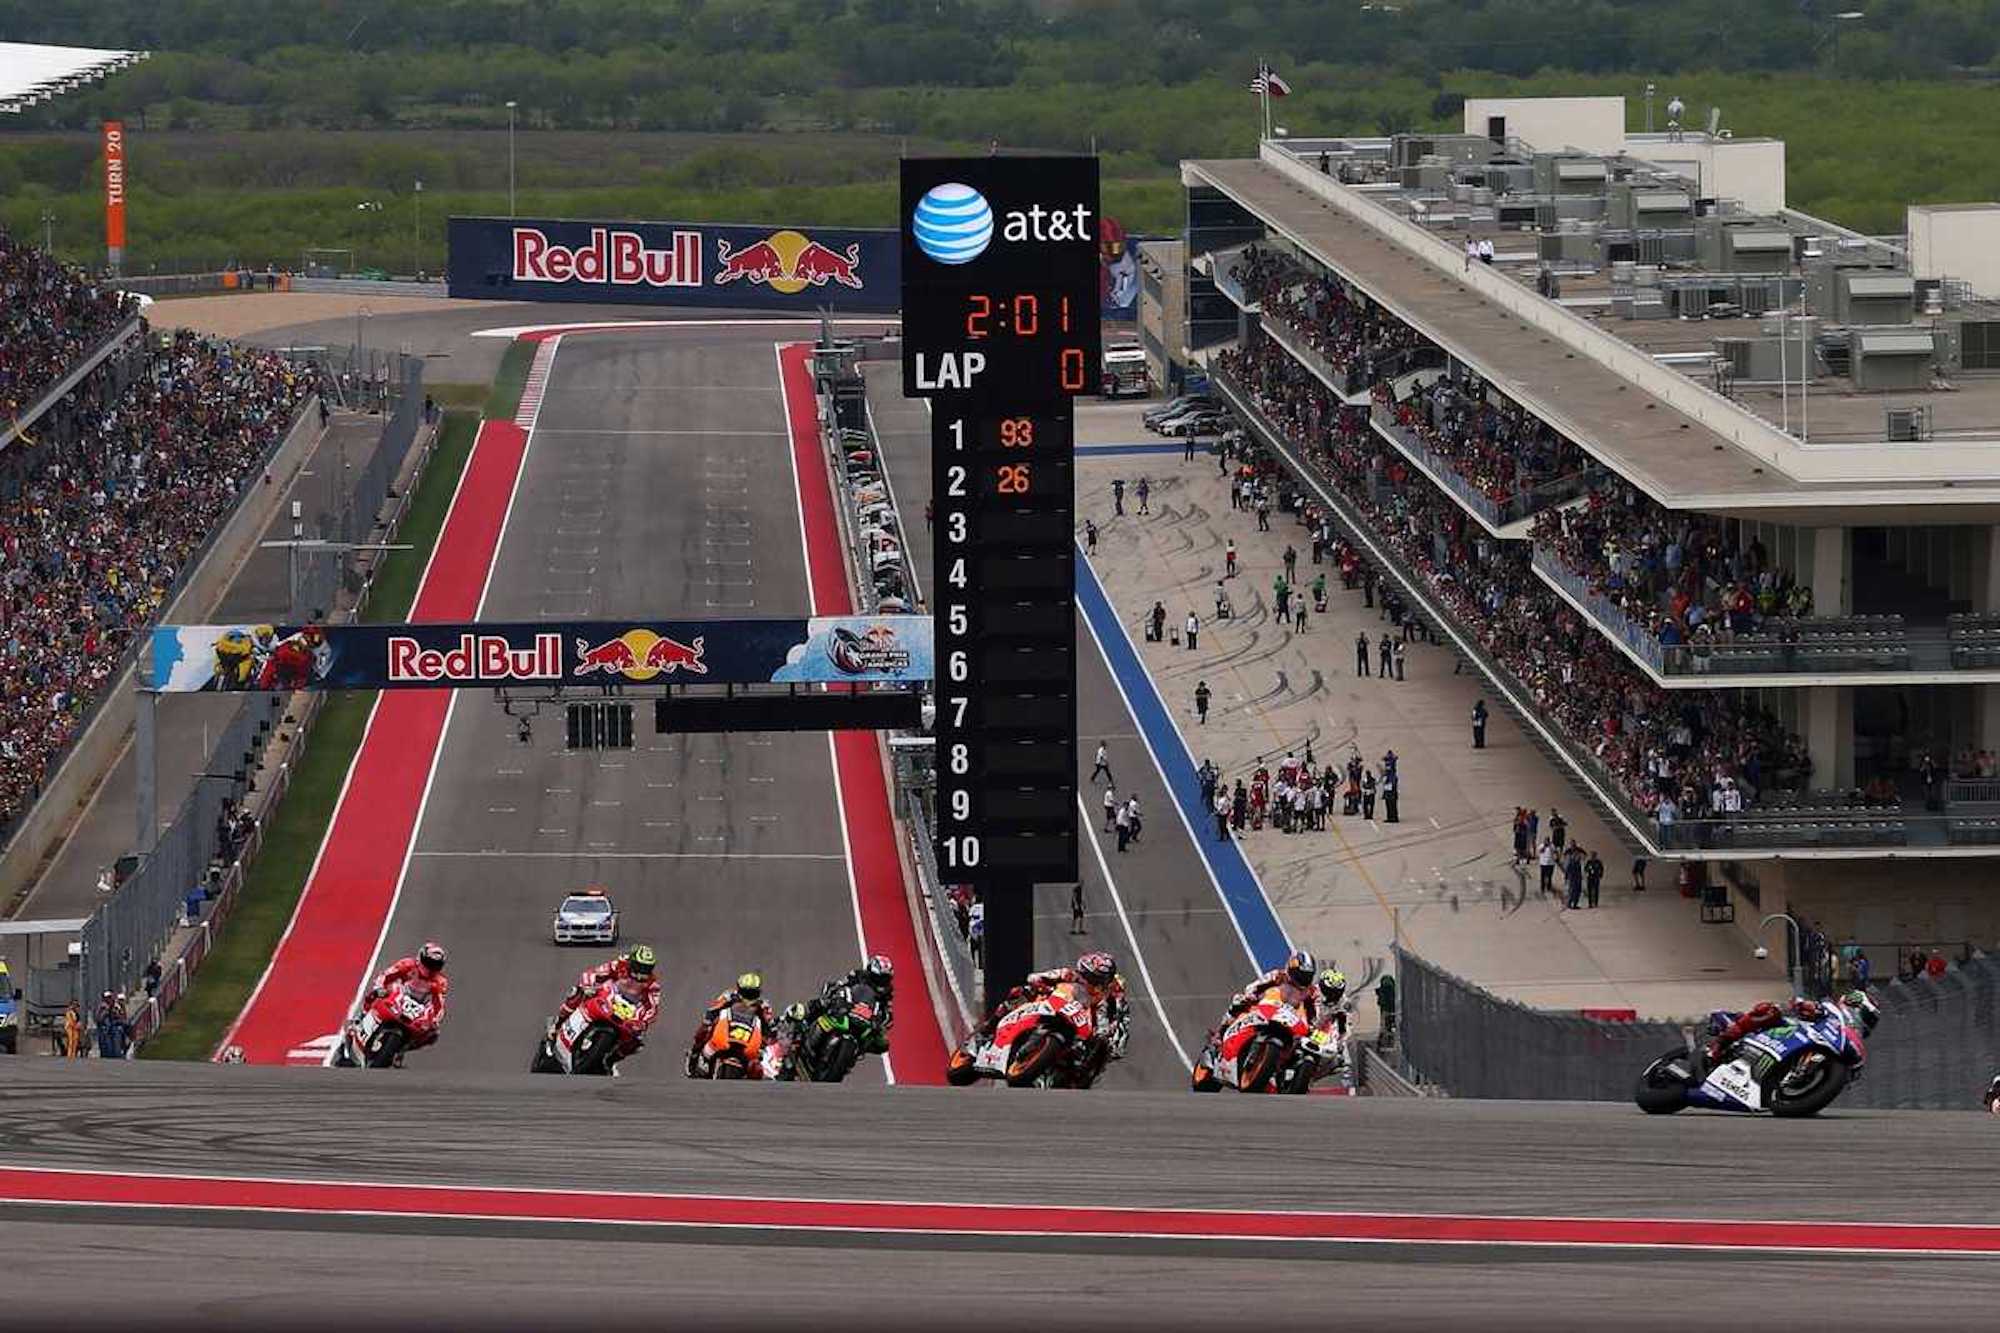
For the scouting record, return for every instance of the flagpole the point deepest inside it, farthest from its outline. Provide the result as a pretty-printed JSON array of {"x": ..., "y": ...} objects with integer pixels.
[{"x": 1264, "y": 94}]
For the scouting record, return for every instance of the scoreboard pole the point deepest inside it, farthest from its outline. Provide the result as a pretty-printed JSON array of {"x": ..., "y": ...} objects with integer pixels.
[{"x": 1001, "y": 331}]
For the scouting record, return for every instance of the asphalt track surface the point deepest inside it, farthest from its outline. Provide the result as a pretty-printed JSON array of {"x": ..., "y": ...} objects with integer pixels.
[
  {"x": 1528, "y": 1165},
  {"x": 657, "y": 483}
]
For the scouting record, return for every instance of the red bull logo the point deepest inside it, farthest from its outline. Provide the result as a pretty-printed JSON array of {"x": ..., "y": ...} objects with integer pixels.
[
  {"x": 612, "y": 255},
  {"x": 788, "y": 261},
  {"x": 481, "y": 657},
  {"x": 639, "y": 654}
]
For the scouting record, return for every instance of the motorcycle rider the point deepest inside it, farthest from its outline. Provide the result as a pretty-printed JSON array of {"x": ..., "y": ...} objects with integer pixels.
[
  {"x": 876, "y": 972},
  {"x": 1729, "y": 1029},
  {"x": 1993, "y": 1095},
  {"x": 1293, "y": 981},
  {"x": 1096, "y": 971},
  {"x": 638, "y": 980},
  {"x": 422, "y": 974},
  {"x": 749, "y": 989}
]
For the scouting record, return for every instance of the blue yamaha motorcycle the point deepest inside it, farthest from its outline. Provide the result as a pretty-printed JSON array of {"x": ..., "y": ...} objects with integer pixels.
[{"x": 1794, "y": 1069}]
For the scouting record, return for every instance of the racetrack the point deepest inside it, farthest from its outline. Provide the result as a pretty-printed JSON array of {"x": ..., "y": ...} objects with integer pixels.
[{"x": 1419, "y": 1168}]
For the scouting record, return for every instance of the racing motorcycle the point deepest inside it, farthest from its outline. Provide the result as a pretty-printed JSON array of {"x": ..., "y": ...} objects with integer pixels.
[
  {"x": 847, "y": 1027},
  {"x": 597, "y": 1034},
  {"x": 735, "y": 1047},
  {"x": 394, "y": 1022},
  {"x": 1794, "y": 1069},
  {"x": 1270, "y": 1047},
  {"x": 1056, "y": 1040}
]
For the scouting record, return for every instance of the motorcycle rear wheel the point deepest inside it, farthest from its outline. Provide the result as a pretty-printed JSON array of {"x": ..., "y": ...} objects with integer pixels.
[
  {"x": 1660, "y": 1092},
  {"x": 959, "y": 1070},
  {"x": 1811, "y": 1097}
]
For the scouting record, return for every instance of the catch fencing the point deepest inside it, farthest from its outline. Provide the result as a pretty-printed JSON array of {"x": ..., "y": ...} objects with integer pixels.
[
  {"x": 134, "y": 924},
  {"x": 364, "y": 379},
  {"x": 1937, "y": 1046}
]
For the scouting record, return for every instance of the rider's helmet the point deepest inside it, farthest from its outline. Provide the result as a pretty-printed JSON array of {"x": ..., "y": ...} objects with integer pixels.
[
  {"x": 879, "y": 972},
  {"x": 1097, "y": 968},
  {"x": 750, "y": 986},
  {"x": 313, "y": 635},
  {"x": 264, "y": 636},
  {"x": 1300, "y": 967},
  {"x": 641, "y": 962},
  {"x": 431, "y": 957},
  {"x": 1865, "y": 1010},
  {"x": 1332, "y": 984}
]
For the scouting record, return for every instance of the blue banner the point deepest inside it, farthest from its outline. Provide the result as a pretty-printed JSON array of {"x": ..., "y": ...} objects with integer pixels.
[
  {"x": 821, "y": 650},
  {"x": 675, "y": 263}
]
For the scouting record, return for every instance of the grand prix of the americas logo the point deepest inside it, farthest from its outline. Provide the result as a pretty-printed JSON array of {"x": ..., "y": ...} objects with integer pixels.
[
  {"x": 639, "y": 654},
  {"x": 787, "y": 261},
  {"x": 612, "y": 255}
]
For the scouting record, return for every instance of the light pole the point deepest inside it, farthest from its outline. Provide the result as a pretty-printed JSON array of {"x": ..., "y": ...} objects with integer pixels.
[
  {"x": 1649, "y": 107},
  {"x": 48, "y": 231},
  {"x": 510, "y": 158},
  {"x": 417, "y": 229}
]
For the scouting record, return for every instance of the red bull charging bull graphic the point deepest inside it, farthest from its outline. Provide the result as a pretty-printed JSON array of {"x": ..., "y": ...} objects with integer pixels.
[
  {"x": 802, "y": 269},
  {"x": 820, "y": 650}
]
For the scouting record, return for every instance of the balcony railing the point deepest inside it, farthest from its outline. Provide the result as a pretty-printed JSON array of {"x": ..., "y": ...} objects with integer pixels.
[
  {"x": 1525, "y": 502},
  {"x": 1786, "y": 646}
]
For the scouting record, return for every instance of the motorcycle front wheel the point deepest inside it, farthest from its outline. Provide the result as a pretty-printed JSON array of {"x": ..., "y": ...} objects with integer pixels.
[
  {"x": 1258, "y": 1065},
  {"x": 388, "y": 1044},
  {"x": 593, "y": 1054},
  {"x": 835, "y": 1060},
  {"x": 1805, "y": 1085},
  {"x": 544, "y": 1061},
  {"x": 1032, "y": 1064},
  {"x": 1660, "y": 1090}
]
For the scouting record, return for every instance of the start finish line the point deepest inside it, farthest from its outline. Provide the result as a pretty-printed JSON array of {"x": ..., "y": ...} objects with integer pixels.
[{"x": 821, "y": 650}]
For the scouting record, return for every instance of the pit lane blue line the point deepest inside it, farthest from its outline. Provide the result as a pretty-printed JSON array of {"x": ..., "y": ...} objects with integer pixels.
[
  {"x": 1150, "y": 447},
  {"x": 1242, "y": 893}
]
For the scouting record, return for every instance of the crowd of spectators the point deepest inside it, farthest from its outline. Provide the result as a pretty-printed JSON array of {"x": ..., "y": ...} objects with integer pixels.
[
  {"x": 1675, "y": 756},
  {"x": 1355, "y": 337},
  {"x": 1674, "y": 574},
  {"x": 50, "y": 317},
  {"x": 1500, "y": 450},
  {"x": 97, "y": 521}
]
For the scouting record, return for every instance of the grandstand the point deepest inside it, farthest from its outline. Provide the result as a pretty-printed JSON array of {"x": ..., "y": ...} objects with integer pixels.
[
  {"x": 31, "y": 73},
  {"x": 1558, "y": 385}
]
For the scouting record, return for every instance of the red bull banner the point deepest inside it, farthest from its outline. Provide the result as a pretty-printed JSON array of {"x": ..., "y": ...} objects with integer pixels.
[
  {"x": 674, "y": 263},
  {"x": 819, "y": 650}
]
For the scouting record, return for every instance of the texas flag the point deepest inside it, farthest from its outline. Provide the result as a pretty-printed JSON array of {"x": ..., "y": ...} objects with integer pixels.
[{"x": 1268, "y": 84}]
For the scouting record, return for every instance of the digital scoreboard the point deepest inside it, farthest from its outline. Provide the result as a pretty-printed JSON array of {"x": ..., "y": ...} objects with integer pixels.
[{"x": 1001, "y": 331}]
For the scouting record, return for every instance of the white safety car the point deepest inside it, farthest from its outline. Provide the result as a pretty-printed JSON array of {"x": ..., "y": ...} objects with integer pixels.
[{"x": 587, "y": 916}]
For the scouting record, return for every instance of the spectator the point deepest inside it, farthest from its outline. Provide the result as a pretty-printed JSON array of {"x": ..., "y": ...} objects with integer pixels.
[
  {"x": 1593, "y": 877},
  {"x": 1545, "y": 857},
  {"x": 153, "y": 975},
  {"x": 1201, "y": 698},
  {"x": 1145, "y": 493},
  {"x": 1935, "y": 967},
  {"x": 1479, "y": 724},
  {"x": 51, "y": 318},
  {"x": 1193, "y": 629},
  {"x": 1090, "y": 536}
]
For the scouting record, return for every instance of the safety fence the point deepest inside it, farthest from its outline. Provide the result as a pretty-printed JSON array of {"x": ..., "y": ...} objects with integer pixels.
[
  {"x": 173, "y": 882},
  {"x": 1937, "y": 1046}
]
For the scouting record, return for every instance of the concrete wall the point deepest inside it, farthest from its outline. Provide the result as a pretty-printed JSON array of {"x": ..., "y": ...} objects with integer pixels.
[
  {"x": 1550, "y": 124},
  {"x": 1749, "y": 170},
  {"x": 1928, "y": 902},
  {"x": 1957, "y": 241},
  {"x": 69, "y": 789}
]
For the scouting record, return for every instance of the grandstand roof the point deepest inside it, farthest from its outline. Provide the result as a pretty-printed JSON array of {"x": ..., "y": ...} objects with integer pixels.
[{"x": 31, "y": 74}]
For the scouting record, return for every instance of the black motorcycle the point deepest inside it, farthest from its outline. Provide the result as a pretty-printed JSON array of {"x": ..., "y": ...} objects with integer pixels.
[{"x": 828, "y": 1039}]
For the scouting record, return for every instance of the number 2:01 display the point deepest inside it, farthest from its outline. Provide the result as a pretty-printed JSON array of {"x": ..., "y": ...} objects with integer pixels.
[{"x": 1019, "y": 315}]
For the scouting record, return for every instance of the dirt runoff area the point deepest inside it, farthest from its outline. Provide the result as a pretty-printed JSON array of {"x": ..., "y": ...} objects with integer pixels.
[{"x": 247, "y": 314}]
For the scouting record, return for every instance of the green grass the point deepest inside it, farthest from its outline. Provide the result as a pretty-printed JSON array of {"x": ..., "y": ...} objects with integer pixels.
[
  {"x": 448, "y": 394},
  {"x": 278, "y": 876},
  {"x": 505, "y": 396}
]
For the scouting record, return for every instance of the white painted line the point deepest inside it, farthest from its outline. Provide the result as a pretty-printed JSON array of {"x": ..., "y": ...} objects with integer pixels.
[
  {"x": 1138, "y": 954},
  {"x": 503, "y": 810}
]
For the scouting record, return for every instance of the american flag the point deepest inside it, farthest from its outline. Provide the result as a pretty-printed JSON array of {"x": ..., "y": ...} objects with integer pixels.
[{"x": 1267, "y": 83}]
